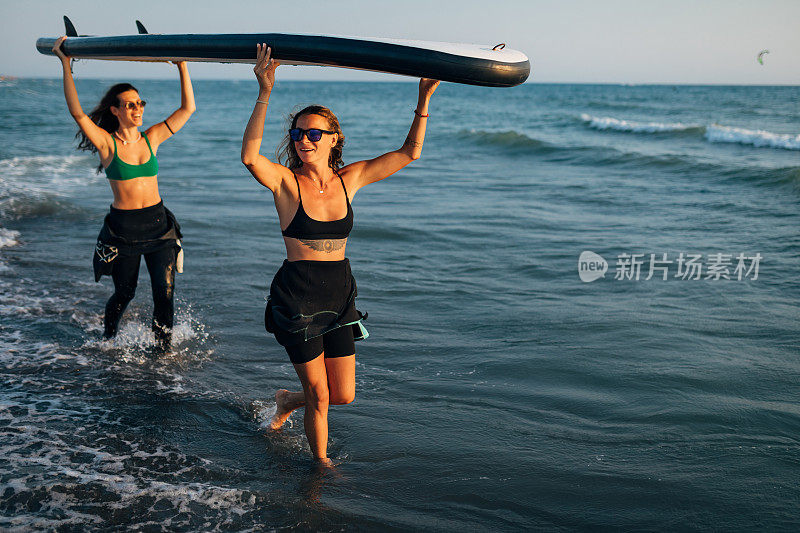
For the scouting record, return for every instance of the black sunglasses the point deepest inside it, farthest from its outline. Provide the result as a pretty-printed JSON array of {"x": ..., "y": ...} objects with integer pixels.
[{"x": 313, "y": 134}]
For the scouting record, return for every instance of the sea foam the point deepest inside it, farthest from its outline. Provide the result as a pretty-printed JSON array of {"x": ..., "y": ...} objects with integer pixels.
[
  {"x": 8, "y": 237},
  {"x": 715, "y": 133},
  {"x": 49, "y": 169},
  {"x": 610, "y": 123},
  {"x": 54, "y": 469},
  {"x": 31, "y": 185},
  {"x": 758, "y": 138}
]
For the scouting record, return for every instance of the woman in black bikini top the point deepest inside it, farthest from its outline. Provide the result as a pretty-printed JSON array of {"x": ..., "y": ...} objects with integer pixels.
[
  {"x": 304, "y": 228},
  {"x": 311, "y": 308}
]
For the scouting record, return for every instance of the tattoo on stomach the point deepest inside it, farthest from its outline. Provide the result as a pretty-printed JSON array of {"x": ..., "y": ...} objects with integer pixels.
[{"x": 324, "y": 245}]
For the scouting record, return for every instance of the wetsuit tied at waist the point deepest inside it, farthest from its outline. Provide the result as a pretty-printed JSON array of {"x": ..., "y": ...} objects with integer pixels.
[
  {"x": 129, "y": 232},
  {"x": 309, "y": 298}
]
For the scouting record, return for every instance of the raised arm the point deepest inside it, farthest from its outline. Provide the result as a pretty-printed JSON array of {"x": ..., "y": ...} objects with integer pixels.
[
  {"x": 99, "y": 137},
  {"x": 160, "y": 132},
  {"x": 267, "y": 173},
  {"x": 363, "y": 173}
]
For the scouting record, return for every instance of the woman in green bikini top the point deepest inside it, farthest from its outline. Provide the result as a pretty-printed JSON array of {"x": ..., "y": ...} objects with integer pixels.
[
  {"x": 138, "y": 224},
  {"x": 112, "y": 131},
  {"x": 119, "y": 170}
]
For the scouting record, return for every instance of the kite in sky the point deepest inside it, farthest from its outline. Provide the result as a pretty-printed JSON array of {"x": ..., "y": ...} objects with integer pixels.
[{"x": 760, "y": 57}]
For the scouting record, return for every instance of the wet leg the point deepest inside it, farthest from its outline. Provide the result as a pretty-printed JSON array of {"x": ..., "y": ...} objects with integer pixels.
[
  {"x": 125, "y": 275},
  {"x": 161, "y": 266},
  {"x": 314, "y": 378}
]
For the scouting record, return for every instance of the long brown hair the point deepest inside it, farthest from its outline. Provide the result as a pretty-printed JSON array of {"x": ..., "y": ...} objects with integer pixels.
[
  {"x": 286, "y": 153},
  {"x": 103, "y": 117}
]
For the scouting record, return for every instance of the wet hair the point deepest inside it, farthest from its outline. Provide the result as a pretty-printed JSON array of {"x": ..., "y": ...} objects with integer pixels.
[
  {"x": 103, "y": 117},
  {"x": 286, "y": 152}
]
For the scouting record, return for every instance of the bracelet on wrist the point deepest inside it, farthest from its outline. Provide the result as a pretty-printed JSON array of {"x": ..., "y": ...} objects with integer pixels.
[
  {"x": 262, "y": 102},
  {"x": 426, "y": 115}
]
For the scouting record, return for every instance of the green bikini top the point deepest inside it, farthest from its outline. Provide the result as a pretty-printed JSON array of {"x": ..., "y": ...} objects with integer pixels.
[{"x": 119, "y": 170}]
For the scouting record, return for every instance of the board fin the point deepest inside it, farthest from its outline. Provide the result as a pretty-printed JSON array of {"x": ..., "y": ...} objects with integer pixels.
[
  {"x": 69, "y": 27},
  {"x": 141, "y": 28}
]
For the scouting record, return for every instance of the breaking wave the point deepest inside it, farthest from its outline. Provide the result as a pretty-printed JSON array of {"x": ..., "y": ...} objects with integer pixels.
[
  {"x": 41, "y": 185},
  {"x": 610, "y": 123},
  {"x": 715, "y": 133},
  {"x": 758, "y": 138}
]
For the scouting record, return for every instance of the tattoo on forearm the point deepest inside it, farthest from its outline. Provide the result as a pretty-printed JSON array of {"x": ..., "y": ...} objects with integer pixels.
[
  {"x": 324, "y": 245},
  {"x": 411, "y": 142}
]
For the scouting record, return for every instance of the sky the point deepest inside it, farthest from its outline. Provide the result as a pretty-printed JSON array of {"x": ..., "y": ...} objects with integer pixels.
[{"x": 568, "y": 41}]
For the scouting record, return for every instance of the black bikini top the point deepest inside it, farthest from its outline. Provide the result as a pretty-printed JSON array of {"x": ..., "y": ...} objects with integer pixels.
[{"x": 303, "y": 226}]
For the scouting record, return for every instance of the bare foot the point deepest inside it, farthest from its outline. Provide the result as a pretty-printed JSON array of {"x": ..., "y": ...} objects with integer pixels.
[
  {"x": 324, "y": 462},
  {"x": 282, "y": 410}
]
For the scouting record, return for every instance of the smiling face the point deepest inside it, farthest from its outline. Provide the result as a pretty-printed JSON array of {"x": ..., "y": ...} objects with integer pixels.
[
  {"x": 128, "y": 117},
  {"x": 315, "y": 152}
]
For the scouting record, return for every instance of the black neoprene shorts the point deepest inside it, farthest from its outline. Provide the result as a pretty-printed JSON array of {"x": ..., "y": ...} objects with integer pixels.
[{"x": 335, "y": 343}]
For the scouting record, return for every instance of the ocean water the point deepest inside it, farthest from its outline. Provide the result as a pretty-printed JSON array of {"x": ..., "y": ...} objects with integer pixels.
[{"x": 498, "y": 390}]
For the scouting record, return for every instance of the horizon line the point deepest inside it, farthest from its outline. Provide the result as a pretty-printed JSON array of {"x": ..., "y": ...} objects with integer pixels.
[{"x": 11, "y": 77}]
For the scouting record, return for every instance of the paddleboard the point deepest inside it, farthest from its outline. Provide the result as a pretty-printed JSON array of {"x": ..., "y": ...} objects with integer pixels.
[{"x": 492, "y": 66}]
